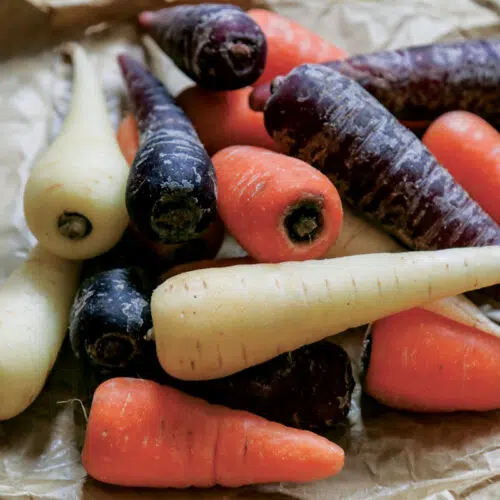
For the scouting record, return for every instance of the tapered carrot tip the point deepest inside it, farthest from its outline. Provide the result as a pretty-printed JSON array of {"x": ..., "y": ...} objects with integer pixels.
[
  {"x": 146, "y": 18},
  {"x": 143, "y": 434},
  {"x": 259, "y": 96}
]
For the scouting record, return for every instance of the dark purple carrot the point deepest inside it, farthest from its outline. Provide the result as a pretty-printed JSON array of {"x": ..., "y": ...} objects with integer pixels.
[
  {"x": 378, "y": 165},
  {"x": 418, "y": 84},
  {"x": 219, "y": 46},
  {"x": 171, "y": 190}
]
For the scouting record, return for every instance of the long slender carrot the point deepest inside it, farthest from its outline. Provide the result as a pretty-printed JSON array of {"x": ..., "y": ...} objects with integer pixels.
[
  {"x": 290, "y": 44},
  {"x": 420, "y": 361},
  {"x": 469, "y": 148},
  {"x": 276, "y": 207},
  {"x": 224, "y": 118},
  {"x": 141, "y": 433}
]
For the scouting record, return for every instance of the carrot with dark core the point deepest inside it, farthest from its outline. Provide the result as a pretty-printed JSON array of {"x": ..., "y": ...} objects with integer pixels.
[
  {"x": 377, "y": 164},
  {"x": 171, "y": 190},
  {"x": 141, "y": 433},
  {"x": 469, "y": 148},
  {"x": 419, "y": 361},
  {"x": 278, "y": 208},
  {"x": 219, "y": 46}
]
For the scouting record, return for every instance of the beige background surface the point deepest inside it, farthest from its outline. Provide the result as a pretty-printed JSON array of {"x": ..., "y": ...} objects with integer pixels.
[{"x": 389, "y": 454}]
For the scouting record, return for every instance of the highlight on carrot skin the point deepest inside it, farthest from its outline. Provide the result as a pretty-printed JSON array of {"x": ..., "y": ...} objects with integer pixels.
[
  {"x": 420, "y": 361},
  {"x": 224, "y": 119},
  {"x": 144, "y": 434},
  {"x": 469, "y": 148},
  {"x": 278, "y": 208},
  {"x": 290, "y": 44}
]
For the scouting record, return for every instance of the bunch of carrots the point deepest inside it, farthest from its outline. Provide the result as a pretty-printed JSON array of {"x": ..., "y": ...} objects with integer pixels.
[{"x": 346, "y": 219}]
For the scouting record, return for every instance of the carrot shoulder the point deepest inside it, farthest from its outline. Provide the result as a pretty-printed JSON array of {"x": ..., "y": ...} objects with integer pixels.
[
  {"x": 420, "y": 361},
  {"x": 277, "y": 207},
  {"x": 469, "y": 148},
  {"x": 141, "y": 433}
]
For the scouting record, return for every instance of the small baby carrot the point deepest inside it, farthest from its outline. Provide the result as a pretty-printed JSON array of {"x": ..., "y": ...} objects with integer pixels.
[
  {"x": 141, "y": 433},
  {"x": 224, "y": 119},
  {"x": 469, "y": 148},
  {"x": 278, "y": 208},
  {"x": 420, "y": 361},
  {"x": 290, "y": 44},
  {"x": 128, "y": 137}
]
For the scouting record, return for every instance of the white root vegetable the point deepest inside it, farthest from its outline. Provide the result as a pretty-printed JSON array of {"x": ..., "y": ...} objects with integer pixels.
[
  {"x": 214, "y": 322},
  {"x": 359, "y": 236},
  {"x": 34, "y": 309},
  {"x": 74, "y": 200}
]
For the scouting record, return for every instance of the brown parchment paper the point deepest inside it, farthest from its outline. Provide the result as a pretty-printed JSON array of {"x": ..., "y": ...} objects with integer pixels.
[{"x": 389, "y": 454}]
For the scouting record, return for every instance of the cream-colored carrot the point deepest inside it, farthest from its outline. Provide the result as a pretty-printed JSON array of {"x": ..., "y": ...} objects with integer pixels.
[
  {"x": 359, "y": 236},
  {"x": 34, "y": 309},
  {"x": 74, "y": 201},
  {"x": 214, "y": 322}
]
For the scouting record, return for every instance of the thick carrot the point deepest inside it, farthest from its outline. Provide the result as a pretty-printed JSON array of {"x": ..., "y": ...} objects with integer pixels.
[
  {"x": 224, "y": 118},
  {"x": 206, "y": 264},
  {"x": 141, "y": 433},
  {"x": 278, "y": 208},
  {"x": 290, "y": 44},
  {"x": 469, "y": 148},
  {"x": 420, "y": 361},
  {"x": 128, "y": 137},
  {"x": 214, "y": 322}
]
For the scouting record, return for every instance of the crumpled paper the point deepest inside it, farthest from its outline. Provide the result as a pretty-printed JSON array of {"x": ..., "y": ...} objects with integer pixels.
[{"x": 390, "y": 454}]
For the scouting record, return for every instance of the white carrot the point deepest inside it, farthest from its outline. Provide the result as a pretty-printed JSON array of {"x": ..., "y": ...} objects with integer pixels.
[
  {"x": 359, "y": 236},
  {"x": 74, "y": 201},
  {"x": 213, "y": 322},
  {"x": 34, "y": 310}
]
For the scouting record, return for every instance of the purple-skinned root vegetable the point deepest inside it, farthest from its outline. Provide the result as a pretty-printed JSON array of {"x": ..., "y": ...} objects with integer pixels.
[
  {"x": 378, "y": 165},
  {"x": 219, "y": 46},
  {"x": 171, "y": 190}
]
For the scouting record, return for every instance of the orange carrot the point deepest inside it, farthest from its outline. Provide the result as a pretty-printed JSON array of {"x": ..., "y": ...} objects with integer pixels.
[
  {"x": 224, "y": 118},
  {"x": 128, "y": 137},
  {"x": 141, "y": 433},
  {"x": 421, "y": 361},
  {"x": 469, "y": 147},
  {"x": 290, "y": 44},
  {"x": 206, "y": 264},
  {"x": 278, "y": 208}
]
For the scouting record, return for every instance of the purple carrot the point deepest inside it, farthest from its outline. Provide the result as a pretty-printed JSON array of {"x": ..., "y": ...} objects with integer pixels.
[
  {"x": 421, "y": 83},
  {"x": 378, "y": 165},
  {"x": 219, "y": 46},
  {"x": 171, "y": 190}
]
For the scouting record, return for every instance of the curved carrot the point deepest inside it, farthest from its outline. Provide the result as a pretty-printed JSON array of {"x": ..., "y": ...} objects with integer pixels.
[
  {"x": 128, "y": 137},
  {"x": 141, "y": 433},
  {"x": 277, "y": 208},
  {"x": 224, "y": 119},
  {"x": 420, "y": 361},
  {"x": 469, "y": 147},
  {"x": 290, "y": 44}
]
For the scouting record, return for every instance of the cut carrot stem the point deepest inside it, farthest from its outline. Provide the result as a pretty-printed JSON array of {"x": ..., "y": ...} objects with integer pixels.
[
  {"x": 235, "y": 123},
  {"x": 469, "y": 148},
  {"x": 141, "y": 433},
  {"x": 420, "y": 361},
  {"x": 278, "y": 208},
  {"x": 290, "y": 44}
]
